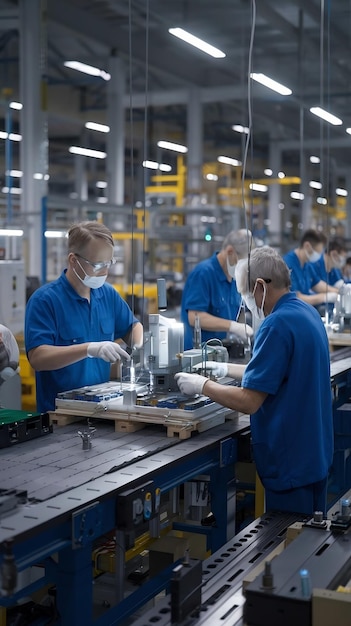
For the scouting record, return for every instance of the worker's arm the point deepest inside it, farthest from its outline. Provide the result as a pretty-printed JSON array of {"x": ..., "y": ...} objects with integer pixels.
[
  {"x": 323, "y": 287},
  {"x": 235, "y": 398},
  {"x": 320, "y": 297},
  {"x": 135, "y": 337},
  {"x": 218, "y": 324},
  {"x": 45, "y": 357}
]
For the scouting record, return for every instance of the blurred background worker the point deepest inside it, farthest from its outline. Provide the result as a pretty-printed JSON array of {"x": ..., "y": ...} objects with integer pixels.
[
  {"x": 346, "y": 271},
  {"x": 305, "y": 280},
  {"x": 285, "y": 388},
  {"x": 72, "y": 322},
  {"x": 10, "y": 382},
  {"x": 210, "y": 297},
  {"x": 330, "y": 265}
]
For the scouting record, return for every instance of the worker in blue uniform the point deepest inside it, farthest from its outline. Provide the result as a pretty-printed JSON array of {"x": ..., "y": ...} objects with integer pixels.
[
  {"x": 285, "y": 388},
  {"x": 330, "y": 265},
  {"x": 71, "y": 324},
  {"x": 210, "y": 296},
  {"x": 305, "y": 280}
]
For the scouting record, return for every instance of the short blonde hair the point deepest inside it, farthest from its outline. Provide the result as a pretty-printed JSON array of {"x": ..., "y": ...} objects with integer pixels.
[{"x": 82, "y": 233}]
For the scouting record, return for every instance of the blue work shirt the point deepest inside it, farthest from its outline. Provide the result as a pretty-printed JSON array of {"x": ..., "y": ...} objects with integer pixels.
[
  {"x": 207, "y": 289},
  {"x": 331, "y": 277},
  {"x": 57, "y": 315},
  {"x": 292, "y": 431},
  {"x": 303, "y": 279}
]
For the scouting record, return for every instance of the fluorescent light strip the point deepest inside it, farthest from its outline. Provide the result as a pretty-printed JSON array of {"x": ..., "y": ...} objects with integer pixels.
[
  {"x": 169, "y": 145},
  {"x": 229, "y": 161},
  {"x": 241, "y": 129},
  {"x": 268, "y": 172},
  {"x": 327, "y": 117},
  {"x": 316, "y": 159},
  {"x": 341, "y": 192},
  {"x": 101, "y": 184},
  {"x": 197, "y": 43},
  {"x": 101, "y": 128},
  {"x": 14, "y": 173},
  {"x": 257, "y": 187},
  {"x": 11, "y": 136},
  {"x": 296, "y": 195},
  {"x": 322, "y": 200},
  {"x": 87, "y": 69},
  {"x": 14, "y": 190},
  {"x": 18, "y": 106},
  {"x": 152, "y": 165},
  {"x": 87, "y": 152},
  {"x": 11, "y": 232},
  {"x": 314, "y": 184},
  {"x": 55, "y": 234},
  {"x": 271, "y": 84}
]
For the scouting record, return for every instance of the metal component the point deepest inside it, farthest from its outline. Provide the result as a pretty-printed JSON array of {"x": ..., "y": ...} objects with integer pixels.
[
  {"x": 86, "y": 525},
  {"x": 86, "y": 436},
  {"x": 267, "y": 577}
]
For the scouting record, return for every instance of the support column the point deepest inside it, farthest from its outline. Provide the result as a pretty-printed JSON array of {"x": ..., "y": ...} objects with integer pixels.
[
  {"x": 274, "y": 195},
  {"x": 34, "y": 145},
  {"x": 194, "y": 142},
  {"x": 116, "y": 138}
]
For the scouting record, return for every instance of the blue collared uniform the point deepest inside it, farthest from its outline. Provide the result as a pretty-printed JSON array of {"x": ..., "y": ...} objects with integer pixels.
[
  {"x": 303, "y": 279},
  {"x": 292, "y": 432},
  {"x": 57, "y": 315},
  {"x": 207, "y": 289},
  {"x": 331, "y": 277}
]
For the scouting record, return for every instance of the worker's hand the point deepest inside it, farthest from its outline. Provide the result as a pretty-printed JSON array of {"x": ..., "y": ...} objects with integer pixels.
[
  {"x": 212, "y": 367},
  {"x": 107, "y": 350},
  {"x": 190, "y": 384},
  {"x": 331, "y": 296},
  {"x": 243, "y": 331}
]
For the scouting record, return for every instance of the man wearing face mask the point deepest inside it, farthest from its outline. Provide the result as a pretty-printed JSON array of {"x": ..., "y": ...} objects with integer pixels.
[
  {"x": 71, "y": 324},
  {"x": 305, "y": 280},
  {"x": 285, "y": 389},
  {"x": 210, "y": 293},
  {"x": 330, "y": 266}
]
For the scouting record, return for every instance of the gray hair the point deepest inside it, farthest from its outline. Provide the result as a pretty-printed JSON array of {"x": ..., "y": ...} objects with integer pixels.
[
  {"x": 240, "y": 240},
  {"x": 266, "y": 263},
  {"x": 81, "y": 234}
]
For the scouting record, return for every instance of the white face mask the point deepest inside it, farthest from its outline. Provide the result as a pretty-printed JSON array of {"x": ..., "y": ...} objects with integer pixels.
[
  {"x": 314, "y": 256},
  {"x": 249, "y": 299},
  {"x": 231, "y": 269},
  {"x": 339, "y": 262},
  {"x": 94, "y": 282}
]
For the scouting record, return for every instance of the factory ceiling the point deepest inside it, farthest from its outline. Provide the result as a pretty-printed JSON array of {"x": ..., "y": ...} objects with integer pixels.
[{"x": 304, "y": 44}]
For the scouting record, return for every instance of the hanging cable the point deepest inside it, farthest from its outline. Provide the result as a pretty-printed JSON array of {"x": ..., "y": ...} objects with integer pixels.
[
  {"x": 131, "y": 144},
  {"x": 145, "y": 146}
]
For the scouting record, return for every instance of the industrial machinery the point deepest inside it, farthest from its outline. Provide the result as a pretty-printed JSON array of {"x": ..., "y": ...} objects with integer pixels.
[{"x": 342, "y": 310}]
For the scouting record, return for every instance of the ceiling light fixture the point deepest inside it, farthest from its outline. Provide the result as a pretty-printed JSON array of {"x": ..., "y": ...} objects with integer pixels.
[
  {"x": 314, "y": 184},
  {"x": 315, "y": 159},
  {"x": 341, "y": 192},
  {"x": 14, "y": 173},
  {"x": 11, "y": 232},
  {"x": 271, "y": 84},
  {"x": 258, "y": 187},
  {"x": 327, "y": 117},
  {"x": 153, "y": 165},
  {"x": 322, "y": 200},
  {"x": 55, "y": 234},
  {"x": 87, "y": 69},
  {"x": 87, "y": 152},
  {"x": 11, "y": 136},
  {"x": 241, "y": 129},
  {"x": 197, "y": 43},
  {"x": 268, "y": 171},
  {"x": 101, "y": 184},
  {"x": 169, "y": 145},
  {"x": 14, "y": 190},
  {"x": 16, "y": 105},
  {"x": 229, "y": 161},
  {"x": 296, "y": 195},
  {"x": 101, "y": 128}
]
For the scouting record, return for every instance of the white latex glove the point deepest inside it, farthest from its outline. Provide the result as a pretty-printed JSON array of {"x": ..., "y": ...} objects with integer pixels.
[
  {"x": 243, "y": 331},
  {"x": 107, "y": 350},
  {"x": 190, "y": 384},
  {"x": 217, "y": 369},
  {"x": 331, "y": 296}
]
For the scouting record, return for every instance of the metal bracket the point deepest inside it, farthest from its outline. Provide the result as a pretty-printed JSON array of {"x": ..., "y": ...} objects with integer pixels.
[{"x": 86, "y": 525}]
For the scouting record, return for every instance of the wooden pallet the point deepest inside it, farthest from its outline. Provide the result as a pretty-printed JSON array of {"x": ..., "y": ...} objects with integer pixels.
[{"x": 130, "y": 422}]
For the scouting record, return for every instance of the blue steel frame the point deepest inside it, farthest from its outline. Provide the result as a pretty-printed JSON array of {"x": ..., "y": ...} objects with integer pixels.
[{"x": 71, "y": 571}]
